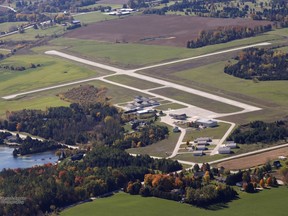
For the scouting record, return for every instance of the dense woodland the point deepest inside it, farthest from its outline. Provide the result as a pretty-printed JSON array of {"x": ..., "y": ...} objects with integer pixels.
[
  {"x": 82, "y": 124},
  {"x": 261, "y": 132},
  {"x": 260, "y": 64},
  {"x": 31, "y": 146},
  {"x": 225, "y": 34},
  {"x": 196, "y": 190},
  {"x": 101, "y": 171},
  {"x": 274, "y": 10}
]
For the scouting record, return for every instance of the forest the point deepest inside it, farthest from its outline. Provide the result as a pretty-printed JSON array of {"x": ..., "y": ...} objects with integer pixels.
[
  {"x": 225, "y": 34},
  {"x": 31, "y": 146},
  {"x": 261, "y": 132},
  {"x": 82, "y": 124},
  {"x": 260, "y": 64},
  {"x": 49, "y": 187}
]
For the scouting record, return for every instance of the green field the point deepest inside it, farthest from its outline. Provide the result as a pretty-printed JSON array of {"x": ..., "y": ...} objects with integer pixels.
[
  {"x": 45, "y": 99},
  {"x": 196, "y": 100},
  {"x": 6, "y": 26},
  {"x": 133, "y": 82},
  {"x": 264, "y": 203},
  {"x": 51, "y": 72},
  {"x": 137, "y": 55},
  {"x": 93, "y": 17},
  {"x": 168, "y": 106},
  {"x": 270, "y": 91},
  {"x": 215, "y": 133},
  {"x": 30, "y": 34}
]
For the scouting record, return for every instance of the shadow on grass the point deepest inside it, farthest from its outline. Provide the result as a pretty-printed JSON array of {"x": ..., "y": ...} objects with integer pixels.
[{"x": 218, "y": 206}]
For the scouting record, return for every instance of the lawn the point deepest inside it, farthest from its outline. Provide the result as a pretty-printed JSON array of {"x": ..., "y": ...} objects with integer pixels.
[
  {"x": 267, "y": 202},
  {"x": 215, "y": 133},
  {"x": 51, "y": 72},
  {"x": 134, "y": 82},
  {"x": 196, "y": 100},
  {"x": 131, "y": 55}
]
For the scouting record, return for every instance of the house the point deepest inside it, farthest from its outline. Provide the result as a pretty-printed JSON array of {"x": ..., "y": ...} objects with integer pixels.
[
  {"x": 203, "y": 139},
  {"x": 206, "y": 122},
  {"x": 224, "y": 150},
  {"x": 198, "y": 153},
  {"x": 76, "y": 22}
]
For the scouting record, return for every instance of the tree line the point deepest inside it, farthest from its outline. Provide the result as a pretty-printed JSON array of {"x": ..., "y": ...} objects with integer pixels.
[
  {"x": 31, "y": 146},
  {"x": 50, "y": 187},
  {"x": 260, "y": 132},
  {"x": 83, "y": 123},
  {"x": 190, "y": 188},
  {"x": 259, "y": 64},
  {"x": 225, "y": 34}
]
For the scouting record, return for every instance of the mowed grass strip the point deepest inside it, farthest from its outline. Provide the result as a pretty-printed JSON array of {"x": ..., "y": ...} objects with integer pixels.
[
  {"x": 196, "y": 100},
  {"x": 215, "y": 133},
  {"x": 266, "y": 202},
  {"x": 52, "y": 71},
  {"x": 169, "y": 106},
  {"x": 133, "y": 82}
]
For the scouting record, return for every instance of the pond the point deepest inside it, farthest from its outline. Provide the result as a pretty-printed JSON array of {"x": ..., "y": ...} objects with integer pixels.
[{"x": 8, "y": 161}]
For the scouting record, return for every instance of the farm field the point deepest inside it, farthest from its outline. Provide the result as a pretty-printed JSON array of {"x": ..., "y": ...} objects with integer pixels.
[
  {"x": 45, "y": 99},
  {"x": 92, "y": 17},
  {"x": 31, "y": 34},
  {"x": 253, "y": 160},
  {"x": 133, "y": 82},
  {"x": 52, "y": 71},
  {"x": 168, "y": 30},
  {"x": 129, "y": 55},
  {"x": 196, "y": 100},
  {"x": 122, "y": 204}
]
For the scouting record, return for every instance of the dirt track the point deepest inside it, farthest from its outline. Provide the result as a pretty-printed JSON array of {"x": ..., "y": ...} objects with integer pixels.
[
  {"x": 167, "y": 30},
  {"x": 253, "y": 160}
]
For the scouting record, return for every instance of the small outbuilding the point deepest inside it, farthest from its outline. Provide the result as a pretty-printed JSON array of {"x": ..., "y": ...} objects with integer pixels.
[
  {"x": 224, "y": 150},
  {"x": 206, "y": 122},
  {"x": 198, "y": 153}
]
